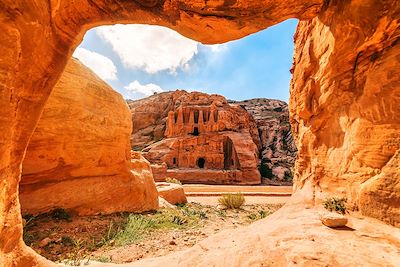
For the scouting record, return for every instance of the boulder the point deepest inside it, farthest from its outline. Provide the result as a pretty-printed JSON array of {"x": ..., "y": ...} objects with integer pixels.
[
  {"x": 172, "y": 193},
  {"x": 79, "y": 156},
  {"x": 333, "y": 220},
  {"x": 165, "y": 204}
]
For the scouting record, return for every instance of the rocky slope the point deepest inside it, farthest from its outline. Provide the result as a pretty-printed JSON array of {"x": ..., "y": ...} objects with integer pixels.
[
  {"x": 178, "y": 129},
  {"x": 278, "y": 152},
  {"x": 79, "y": 156}
]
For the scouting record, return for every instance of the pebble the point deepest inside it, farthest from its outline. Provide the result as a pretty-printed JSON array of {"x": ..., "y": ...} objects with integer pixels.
[{"x": 44, "y": 242}]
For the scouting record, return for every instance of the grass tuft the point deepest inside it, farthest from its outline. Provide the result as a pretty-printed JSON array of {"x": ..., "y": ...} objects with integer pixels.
[{"x": 232, "y": 201}]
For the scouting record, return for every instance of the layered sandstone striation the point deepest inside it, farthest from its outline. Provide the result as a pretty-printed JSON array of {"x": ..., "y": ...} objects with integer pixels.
[
  {"x": 204, "y": 139},
  {"x": 344, "y": 105},
  {"x": 344, "y": 115},
  {"x": 278, "y": 151},
  {"x": 79, "y": 156}
]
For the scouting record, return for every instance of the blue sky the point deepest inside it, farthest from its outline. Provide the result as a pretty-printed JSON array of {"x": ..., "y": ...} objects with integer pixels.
[{"x": 137, "y": 60}]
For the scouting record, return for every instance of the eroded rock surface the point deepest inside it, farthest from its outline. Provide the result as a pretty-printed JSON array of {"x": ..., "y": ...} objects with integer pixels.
[
  {"x": 344, "y": 105},
  {"x": 173, "y": 193},
  {"x": 278, "y": 150},
  {"x": 344, "y": 108},
  {"x": 204, "y": 139},
  {"x": 79, "y": 156}
]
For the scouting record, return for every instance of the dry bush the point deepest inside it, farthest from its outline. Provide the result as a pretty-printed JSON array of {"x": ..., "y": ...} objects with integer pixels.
[
  {"x": 172, "y": 181},
  {"x": 232, "y": 200}
]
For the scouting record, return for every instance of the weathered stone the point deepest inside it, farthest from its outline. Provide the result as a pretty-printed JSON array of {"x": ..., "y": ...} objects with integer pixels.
[
  {"x": 165, "y": 204},
  {"x": 344, "y": 115},
  {"x": 44, "y": 242},
  {"x": 332, "y": 219},
  {"x": 79, "y": 156},
  {"x": 344, "y": 105},
  {"x": 206, "y": 140},
  {"x": 173, "y": 193}
]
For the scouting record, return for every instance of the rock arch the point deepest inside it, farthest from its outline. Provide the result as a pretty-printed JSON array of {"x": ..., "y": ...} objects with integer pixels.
[{"x": 344, "y": 91}]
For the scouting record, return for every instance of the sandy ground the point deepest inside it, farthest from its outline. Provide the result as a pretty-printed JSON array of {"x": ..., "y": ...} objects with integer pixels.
[
  {"x": 200, "y": 188},
  {"x": 250, "y": 200},
  {"x": 255, "y": 195}
]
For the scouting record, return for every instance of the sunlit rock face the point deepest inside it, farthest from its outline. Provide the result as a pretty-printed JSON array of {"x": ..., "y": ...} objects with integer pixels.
[
  {"x": 344, "y": 105},
  {"x": 79, "y": 156},
  {"x": 278, "y": 150},
  {"x": 196, "y": 138}
]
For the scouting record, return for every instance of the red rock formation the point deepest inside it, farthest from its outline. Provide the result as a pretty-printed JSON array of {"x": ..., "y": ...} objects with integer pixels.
[
  {"x": 207, "y": 139},
  {"x": 278, "y": 150},
  {"x": 344, "y": 106},
  {"x": 79, "y": 156}
]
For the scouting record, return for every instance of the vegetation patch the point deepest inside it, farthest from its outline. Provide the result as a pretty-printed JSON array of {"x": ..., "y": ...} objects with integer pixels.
[
  {"x": 126, "y": 237},
  {"x": 232, "y": 200},
  {"x": 172, "y": 180},
  {"x": 336, "y": 204}
]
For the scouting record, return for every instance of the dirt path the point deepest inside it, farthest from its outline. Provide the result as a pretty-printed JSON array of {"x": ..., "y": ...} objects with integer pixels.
[
  {"x": 250, "y": 200},
  {"x": 259, "y": 189},
  {"x": 255, "y": 195}
]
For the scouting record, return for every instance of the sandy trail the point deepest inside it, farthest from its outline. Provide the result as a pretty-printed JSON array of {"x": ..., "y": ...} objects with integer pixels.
[{"x": 209, "y": 194}]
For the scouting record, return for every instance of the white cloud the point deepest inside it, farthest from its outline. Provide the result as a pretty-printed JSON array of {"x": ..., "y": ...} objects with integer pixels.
[
  {"x": 152, "y": 48},
  {"x": 218, "y": 47},
  {"x": 99, "y": 64},
  {"x": 135, "y": 90}
]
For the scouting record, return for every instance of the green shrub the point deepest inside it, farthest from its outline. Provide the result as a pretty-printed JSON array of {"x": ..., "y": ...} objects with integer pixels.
[
  {"x": 336, "y": 204},
  {"x": 261, "y": 214},
  {"x": 172, "y": 180},
  {"x": 232, "y": 201},
  {"x": 134, "y": 229},
  {"x": 138, "y": 226}
]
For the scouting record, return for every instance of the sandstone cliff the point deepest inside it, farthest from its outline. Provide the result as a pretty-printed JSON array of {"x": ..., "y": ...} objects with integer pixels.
[
  {"x": 79, "y": 156},
  {"x": 180, "y": 129},
  {"x": 344, "y": 115},
  {"x": 278, "y": 152}
]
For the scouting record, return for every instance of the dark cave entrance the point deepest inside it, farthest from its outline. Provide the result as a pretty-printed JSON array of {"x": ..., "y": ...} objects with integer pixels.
[
  {"x": 196, "y": 131},
  {"x": 201, "y": 162}
]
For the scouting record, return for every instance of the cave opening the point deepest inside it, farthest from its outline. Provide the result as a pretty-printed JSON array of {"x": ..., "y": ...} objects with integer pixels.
[
  {"x": 201, "y": 163},
  {"x": 196, "y": 131}
]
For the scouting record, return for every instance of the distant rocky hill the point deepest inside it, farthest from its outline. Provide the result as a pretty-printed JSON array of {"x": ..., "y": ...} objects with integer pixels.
[
  {"x": 278, "y": 151},
  {"x": 197, "y": 138},
  {"x": 267, "y": 123}
]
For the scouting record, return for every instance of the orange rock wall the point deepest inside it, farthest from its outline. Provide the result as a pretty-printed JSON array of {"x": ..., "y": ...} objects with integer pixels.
[
  {"x": 344, "y": 93},
  {"x": 345, "y": 96},
  {"x": 79, "y": 156}
]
